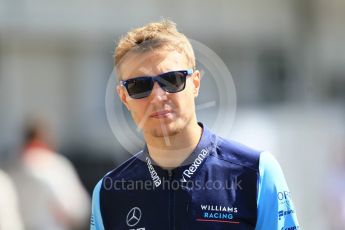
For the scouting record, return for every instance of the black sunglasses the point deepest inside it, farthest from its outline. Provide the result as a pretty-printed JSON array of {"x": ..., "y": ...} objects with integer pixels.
[{"x": 171, "y": 82}]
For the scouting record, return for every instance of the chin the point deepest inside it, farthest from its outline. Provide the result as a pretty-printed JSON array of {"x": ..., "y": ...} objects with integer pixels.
[
  {"x": 166, "y": 129},
  {"x": 160, "y": 133}
]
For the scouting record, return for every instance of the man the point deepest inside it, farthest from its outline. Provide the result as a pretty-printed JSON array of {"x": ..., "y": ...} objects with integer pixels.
[
  {"x": 50, "y": 193},
  {"x": 186, "y": 177}
]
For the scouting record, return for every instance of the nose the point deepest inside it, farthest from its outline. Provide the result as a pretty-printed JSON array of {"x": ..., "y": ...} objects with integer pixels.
[{"x": 158, "y": 94}]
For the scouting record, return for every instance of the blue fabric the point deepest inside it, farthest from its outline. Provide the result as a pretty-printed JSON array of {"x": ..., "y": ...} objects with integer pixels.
[
  {"x": 275, "y": 207},
  {"x": 222, "y": 185},
  {"x": 96, "y": 218}
]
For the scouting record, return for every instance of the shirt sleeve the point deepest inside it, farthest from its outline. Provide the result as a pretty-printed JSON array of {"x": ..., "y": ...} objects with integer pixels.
[
  {"x": 96, "y": 217},
  {"x": 275, "y": 207}
]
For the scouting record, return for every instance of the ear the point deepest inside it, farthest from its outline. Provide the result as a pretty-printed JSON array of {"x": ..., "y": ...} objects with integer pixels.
[
  {"x": 196, "y": 82},
  {"x": 123, "y": 95}
]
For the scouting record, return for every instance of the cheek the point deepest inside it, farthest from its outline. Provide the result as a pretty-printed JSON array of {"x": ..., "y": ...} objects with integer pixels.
[
  {"x": 137, "y": 109},
  {"x": 185, "y": 101}
]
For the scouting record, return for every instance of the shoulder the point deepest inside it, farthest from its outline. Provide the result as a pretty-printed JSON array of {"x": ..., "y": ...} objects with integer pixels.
[
  {"x": 269, "y": 166},
  {"x": 272, "y": 179},
  {"x": 272, "y": 183},
  {"x": 275, "y": 207},
  {"x": 237, "y": 153}
]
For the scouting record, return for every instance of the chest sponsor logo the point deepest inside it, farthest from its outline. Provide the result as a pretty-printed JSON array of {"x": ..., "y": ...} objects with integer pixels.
[
  {"x": 218, "y": 214},
  {"x": 154, "y": 176},
  {"x": 133, "y": 218},
  {"x": 188, "y": 173}
]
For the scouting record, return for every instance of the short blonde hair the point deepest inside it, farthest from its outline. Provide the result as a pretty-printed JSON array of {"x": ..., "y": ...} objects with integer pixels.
[{"x": 153, "y": 36}]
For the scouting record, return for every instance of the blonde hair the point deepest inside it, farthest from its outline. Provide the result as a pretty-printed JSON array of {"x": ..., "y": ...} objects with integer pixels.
[{"x": 153, "y": 36}]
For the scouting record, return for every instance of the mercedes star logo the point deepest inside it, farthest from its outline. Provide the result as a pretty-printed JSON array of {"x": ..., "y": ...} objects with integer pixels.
[{"x": 133, "y": 216}]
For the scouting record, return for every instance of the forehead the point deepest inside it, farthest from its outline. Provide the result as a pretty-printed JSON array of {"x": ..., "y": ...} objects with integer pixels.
[{"x": 151, "y": 63}]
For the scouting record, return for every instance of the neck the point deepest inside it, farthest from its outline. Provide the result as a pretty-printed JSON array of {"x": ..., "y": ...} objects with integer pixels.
[{"x": 169, "y": 152}]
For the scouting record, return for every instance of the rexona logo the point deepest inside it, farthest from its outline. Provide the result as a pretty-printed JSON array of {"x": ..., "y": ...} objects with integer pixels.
[
  {"x": 155, "y": 178},
  {"x": 197, "y": 162}
]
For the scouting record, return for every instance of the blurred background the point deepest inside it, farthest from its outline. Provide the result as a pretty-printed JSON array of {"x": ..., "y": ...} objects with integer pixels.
[{"x": 287, "y": 59}]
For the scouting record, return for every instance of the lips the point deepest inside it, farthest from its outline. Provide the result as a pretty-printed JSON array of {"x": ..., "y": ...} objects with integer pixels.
[{"x": 161, "y": 114}]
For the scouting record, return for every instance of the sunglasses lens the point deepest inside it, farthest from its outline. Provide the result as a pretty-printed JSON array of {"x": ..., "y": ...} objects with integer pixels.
[
  {"x": 173, "y": 82},
  {"x": 139, "y": 88}
]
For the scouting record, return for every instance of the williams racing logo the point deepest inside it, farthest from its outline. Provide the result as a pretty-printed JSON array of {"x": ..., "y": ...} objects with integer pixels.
[{"x": 218, "y": 214}]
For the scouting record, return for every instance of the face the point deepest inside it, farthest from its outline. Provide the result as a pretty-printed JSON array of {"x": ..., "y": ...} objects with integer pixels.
[{"x": 160, "y": 114}]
